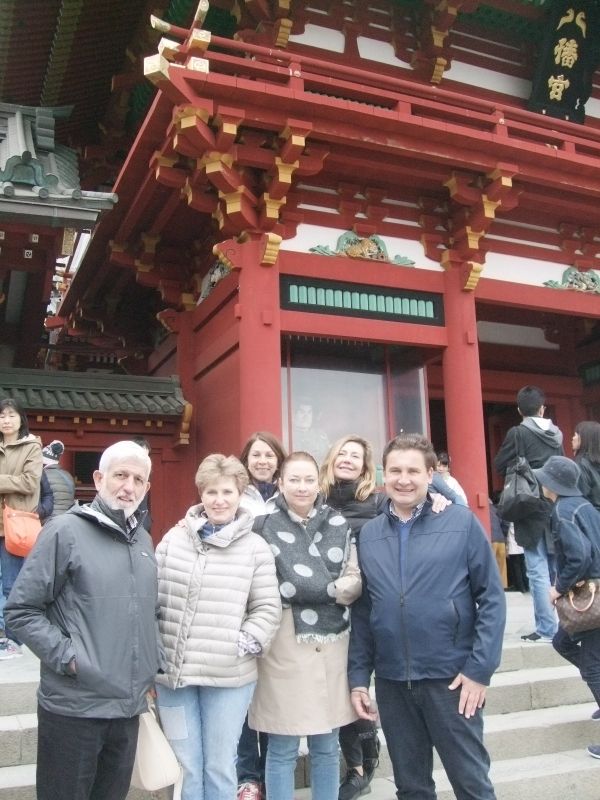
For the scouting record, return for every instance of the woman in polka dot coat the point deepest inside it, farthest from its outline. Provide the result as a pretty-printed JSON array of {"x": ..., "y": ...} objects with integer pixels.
[{"x": 302, "y": 685}]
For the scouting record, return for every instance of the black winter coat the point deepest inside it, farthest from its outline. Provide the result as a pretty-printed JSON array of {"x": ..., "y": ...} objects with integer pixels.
[{"x": 589, "y": 481}]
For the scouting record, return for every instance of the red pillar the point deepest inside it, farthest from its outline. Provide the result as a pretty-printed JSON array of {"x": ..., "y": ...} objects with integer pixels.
[
  {"x": 260, "y": 347},
  {"x": 463, "y": 396}
]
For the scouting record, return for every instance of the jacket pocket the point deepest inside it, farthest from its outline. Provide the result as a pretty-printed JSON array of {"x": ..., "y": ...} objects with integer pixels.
[{"x": 95, "y": 672}]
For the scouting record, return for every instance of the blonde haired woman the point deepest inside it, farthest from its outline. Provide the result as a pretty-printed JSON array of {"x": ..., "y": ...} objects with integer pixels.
[
  {"x": 347, "y": 481},
  {"x": 219, "y": 610}
]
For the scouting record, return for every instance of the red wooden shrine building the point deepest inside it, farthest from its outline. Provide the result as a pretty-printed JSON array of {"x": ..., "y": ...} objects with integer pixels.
[{"x": 333, "y": 216}]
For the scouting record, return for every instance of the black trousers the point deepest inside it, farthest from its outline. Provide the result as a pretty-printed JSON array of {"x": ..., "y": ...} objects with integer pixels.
[
  {"x": 358, "y": 742},
  {"x": 82, "y": 758},
  {"x": 419, "y": 716},
  {"x": 252, "y": 755}
]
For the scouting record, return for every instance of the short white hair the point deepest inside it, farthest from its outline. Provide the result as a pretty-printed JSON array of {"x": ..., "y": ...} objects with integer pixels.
[{"x": 122, "y": 451}]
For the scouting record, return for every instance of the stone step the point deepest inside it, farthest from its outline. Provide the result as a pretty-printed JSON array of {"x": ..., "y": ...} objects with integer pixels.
[
  {"x": 18, "y": 783},
  {"x": 527, "y": 689},
  {"x": 18, "y": 684},
  {"x": 523, "y": 733},
  {"x": 541, "y": 731},
  {"x": 18, "y": 739},
  {"x": 521, "y": 655},
  {"x": 528, "y": 733},
  {"x": 569, "y": 775},
  {"x": 19, "y": 677}
]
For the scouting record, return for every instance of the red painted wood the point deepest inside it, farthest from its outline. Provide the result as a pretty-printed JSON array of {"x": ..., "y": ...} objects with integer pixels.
[
  {"x": 367, "y": 330},
  {"x": 260, "y": 350},
  {"x": 463, "y": 395}
]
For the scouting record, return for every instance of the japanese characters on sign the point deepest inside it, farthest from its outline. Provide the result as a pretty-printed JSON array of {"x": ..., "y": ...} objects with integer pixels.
[{"x": 568, "y": 58}]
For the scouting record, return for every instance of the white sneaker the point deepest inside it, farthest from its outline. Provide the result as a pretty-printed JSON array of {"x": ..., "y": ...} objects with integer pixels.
[{"x": 9, "y": 649}]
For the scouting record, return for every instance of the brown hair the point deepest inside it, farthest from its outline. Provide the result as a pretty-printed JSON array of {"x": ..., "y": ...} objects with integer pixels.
[
  {"x": 270, "y": 440},
  {"x": 217, "y": 466},
  {"x": 366, "y": 481},
  {"x": 412, "y": 441}
]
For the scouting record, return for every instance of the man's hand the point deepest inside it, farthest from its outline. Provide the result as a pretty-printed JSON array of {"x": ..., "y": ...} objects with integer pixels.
[
  {"x": 554, "y": 595},
  {"x": 472, "y": 695},
  {"x": 363, "y": 704},
  {"x": 72, "y": 666}
]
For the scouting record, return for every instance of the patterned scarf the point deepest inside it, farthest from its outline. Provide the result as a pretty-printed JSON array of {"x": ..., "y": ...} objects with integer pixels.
[{"x": 309, "y": 556}]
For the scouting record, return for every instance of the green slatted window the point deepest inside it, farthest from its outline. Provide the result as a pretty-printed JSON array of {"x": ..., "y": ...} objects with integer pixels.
[{"x": 372, "y": 302}]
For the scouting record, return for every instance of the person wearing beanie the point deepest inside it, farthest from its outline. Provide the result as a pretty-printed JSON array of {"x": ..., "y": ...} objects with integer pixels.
[
  {"x": 61, "y": 482},
  {"x": 575, "y": 525}
]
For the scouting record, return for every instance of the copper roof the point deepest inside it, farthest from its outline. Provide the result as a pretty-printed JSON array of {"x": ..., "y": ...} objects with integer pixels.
[{"x": 88, "y": 392}]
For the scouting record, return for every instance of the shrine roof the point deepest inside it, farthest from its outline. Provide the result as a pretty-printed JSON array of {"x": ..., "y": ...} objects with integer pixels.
[
  {"x": 36, "y": 169},
  {"x": 88, "y": 392}
]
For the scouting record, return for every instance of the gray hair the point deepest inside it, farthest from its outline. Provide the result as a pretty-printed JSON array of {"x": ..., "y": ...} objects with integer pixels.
[{"x": 122, "y": 451}]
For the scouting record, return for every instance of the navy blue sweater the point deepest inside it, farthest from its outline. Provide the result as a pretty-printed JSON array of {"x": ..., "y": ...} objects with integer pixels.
[{"x": 432, "y": 603}]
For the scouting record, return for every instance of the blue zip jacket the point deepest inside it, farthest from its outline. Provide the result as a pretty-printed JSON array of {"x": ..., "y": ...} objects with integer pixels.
[
  {"x": 432, "y": 603},
  {"x": 576, "y": 532}
]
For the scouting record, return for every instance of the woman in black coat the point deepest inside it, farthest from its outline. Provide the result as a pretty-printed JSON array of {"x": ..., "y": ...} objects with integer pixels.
[
  {"x": 347, "y": 481},
  {"x": 586, "y": 446}
]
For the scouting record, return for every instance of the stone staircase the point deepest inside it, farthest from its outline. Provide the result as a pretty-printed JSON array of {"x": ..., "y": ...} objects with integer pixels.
[{"x": 537, "y": 727}]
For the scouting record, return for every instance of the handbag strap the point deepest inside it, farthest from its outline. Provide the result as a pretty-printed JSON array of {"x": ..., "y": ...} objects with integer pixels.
[
  {"x": 519, "y": 442},
  {"x": 591, "y": 585}
]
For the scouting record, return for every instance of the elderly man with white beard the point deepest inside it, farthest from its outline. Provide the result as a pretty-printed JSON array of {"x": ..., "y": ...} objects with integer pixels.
[{"x": 85, "y": 602}]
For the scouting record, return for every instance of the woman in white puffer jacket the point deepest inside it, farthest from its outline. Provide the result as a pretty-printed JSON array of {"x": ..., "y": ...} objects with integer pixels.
[{"x": 219, "y": 609}]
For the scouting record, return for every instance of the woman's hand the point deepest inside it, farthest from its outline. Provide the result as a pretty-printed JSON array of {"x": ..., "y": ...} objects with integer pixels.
[
  {"x": 439, "y": 502},
  {"x": 554, "y": 595}
]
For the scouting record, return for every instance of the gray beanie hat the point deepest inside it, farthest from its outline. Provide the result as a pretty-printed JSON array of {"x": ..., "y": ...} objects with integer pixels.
[{"x": 560, "y": 475}]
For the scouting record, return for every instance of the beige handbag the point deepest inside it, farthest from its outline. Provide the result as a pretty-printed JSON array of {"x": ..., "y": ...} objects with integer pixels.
[{"x": 155, "y": 765}]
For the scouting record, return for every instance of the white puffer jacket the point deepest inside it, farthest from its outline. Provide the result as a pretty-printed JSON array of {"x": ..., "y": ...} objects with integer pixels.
[
  {"x": 254, "y": 503},
  {"x": 209, "y": 590}
]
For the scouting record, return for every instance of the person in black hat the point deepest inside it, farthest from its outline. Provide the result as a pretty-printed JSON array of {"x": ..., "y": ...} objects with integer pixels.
[{"x": 576, "y": 531}]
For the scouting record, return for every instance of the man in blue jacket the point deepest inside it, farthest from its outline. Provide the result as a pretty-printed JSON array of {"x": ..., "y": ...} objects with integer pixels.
[{"x": 430, "y": 624}]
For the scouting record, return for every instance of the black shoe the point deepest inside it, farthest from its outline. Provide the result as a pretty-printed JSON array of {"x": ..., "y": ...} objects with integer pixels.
[
  {"x": 535, "y": 637},
  {"x": 353, "y": 786}
]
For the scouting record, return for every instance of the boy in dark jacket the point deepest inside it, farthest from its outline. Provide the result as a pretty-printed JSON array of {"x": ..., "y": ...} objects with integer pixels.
[{"x": 537, "y": 439}]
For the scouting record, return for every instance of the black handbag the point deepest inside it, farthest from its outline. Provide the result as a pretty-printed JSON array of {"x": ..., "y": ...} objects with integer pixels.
[
  {"x": 521, "y": 493},
  {"x": 579, "y": 609}
]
